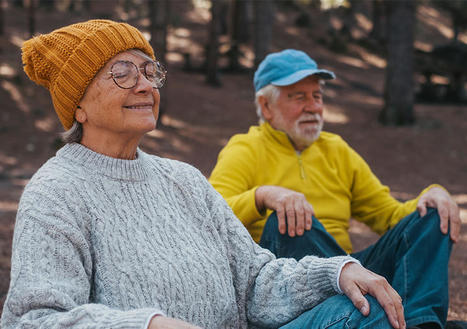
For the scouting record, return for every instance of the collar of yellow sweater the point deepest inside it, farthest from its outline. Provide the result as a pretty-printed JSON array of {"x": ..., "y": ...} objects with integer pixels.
[{"x": 279, "y": 137}]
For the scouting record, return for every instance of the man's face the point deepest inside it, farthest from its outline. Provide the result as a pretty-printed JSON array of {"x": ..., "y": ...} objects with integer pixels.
[{"x": 298, "y": 112}]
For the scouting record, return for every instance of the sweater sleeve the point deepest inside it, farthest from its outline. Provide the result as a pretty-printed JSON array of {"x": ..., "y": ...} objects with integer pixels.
[
  {"x": 273, "y": 291},
  {"x": 372, "y": 202},
  {"x": 233, "y": 177},
  {"x": 52, "y": 270}
]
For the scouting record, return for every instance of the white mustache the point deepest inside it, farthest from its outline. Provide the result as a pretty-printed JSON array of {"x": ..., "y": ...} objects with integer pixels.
[{"x": 308, "y": 117}]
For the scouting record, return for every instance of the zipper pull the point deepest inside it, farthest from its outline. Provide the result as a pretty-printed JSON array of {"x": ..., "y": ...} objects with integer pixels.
[{"x": 302, "y": 170}]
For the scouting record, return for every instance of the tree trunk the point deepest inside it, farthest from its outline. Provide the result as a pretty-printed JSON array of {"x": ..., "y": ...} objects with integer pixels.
[
  {"x": 49, "y": 4},
  {"x": 264, "y": 21},
  {"x": 378, "y": 31},
  {"x": 31, "y": 17},
  {"x": 159, "y": 11},
  {"x": 348, "y": 19},
  {"x": 2, "y": 27},
  {"x": 2, "y": 21},
  {"x": 238, "y": 32},
  {"x": 398, "y": 89},
  {"x": 212, "y": 49},
  {"x": 455, "y": 26},
  {"x": 159, "y": 17}
]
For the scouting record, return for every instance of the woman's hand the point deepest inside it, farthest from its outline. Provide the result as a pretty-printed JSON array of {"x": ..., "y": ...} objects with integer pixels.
[
  {"x": 356, "y": 281},
  {"x": 163, "y": 322}
]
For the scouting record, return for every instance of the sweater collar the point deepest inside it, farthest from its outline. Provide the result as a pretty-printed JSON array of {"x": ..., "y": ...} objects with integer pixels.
[
  {"x": 277, "y": 136},
  {"x": 97, "y": 163},
  {"x": 281, "y": 138}
]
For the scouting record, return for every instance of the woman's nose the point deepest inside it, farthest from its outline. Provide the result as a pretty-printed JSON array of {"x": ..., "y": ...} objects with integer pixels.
[{"x": 143, "y": 84}]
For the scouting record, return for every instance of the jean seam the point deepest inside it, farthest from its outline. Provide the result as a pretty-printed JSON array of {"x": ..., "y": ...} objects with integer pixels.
[
  {"x": 423, "y": 319},
  {"x": 333, "y": 322},
  {"x": 406, "y": 274}
]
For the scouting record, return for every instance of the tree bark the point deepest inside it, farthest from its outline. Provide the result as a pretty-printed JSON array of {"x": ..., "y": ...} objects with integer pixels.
[
  {"x": 378, "y": 31},
  {"x": 264, "y": 21},
  {"x": 2, "y": 21},
  {"x": 212, "y": 49},
  {"x": 159, "y": 16},
  {"x": 398, "y": 90},
  {"x": 49, "y": 4},
  {"x": 31, "y": 17},
  {"x": 238, "y": 31},
  {"x": 2, "y": 27},
  {"x": 159, "y": 12}
]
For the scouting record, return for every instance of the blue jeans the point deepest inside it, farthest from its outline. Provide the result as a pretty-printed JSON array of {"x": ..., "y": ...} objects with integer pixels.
[{"x": 413, "y": 256}]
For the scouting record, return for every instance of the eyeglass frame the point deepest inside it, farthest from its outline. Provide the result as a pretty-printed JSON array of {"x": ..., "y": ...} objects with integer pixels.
[{"x": 141, "y": 70}]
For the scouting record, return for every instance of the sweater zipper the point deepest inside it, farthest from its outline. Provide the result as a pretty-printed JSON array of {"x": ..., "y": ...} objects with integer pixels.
[{"x": 300, "y": 163}]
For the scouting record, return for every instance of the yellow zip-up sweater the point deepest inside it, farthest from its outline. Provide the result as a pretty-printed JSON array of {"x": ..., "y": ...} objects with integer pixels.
[{"x": 336, "y": 181}]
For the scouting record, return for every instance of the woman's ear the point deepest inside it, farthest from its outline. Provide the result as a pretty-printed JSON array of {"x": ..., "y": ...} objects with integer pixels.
[
  {"x": 80, "y": 115},
  {"x": 265, "y": 107}
]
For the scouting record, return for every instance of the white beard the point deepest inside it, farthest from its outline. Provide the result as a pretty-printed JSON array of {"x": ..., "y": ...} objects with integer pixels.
[{"x": 304, "y": 137}]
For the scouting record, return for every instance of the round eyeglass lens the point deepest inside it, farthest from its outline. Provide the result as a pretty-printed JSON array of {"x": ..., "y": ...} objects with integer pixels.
[
  {"x": 125, "y": 74},
  {"x": 155, "y": 72}
]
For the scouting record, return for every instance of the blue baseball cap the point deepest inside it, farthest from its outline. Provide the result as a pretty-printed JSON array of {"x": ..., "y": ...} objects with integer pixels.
[{"x": 287, "y": 67}]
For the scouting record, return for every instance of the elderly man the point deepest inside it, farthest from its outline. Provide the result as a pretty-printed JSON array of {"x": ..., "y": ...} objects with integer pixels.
[{"x": 287, "y": 176}]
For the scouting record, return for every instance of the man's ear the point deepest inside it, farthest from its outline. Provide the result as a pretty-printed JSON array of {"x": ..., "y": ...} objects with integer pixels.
[
  {"x": 265, "y": 107},
  {"x": 80, "y": 115}
]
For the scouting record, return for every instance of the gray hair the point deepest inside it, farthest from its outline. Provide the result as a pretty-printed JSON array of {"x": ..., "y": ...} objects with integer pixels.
[
  {"x": 74, "y": 134},
  {"x": 141, "y": 53},
  {"x": 271, "y": 93}
]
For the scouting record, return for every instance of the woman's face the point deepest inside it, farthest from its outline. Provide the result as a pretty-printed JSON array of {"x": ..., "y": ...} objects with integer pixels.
[{"x": 110, "y": 111}]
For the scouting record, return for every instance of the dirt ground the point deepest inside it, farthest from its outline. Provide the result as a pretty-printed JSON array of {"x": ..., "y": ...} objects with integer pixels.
[{"x": 199, "y": 119}]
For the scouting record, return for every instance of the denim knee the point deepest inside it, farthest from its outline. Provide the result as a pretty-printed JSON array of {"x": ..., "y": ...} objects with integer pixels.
[
  {"x": 430, "y": 224},
  {"x": 377, "y": 317},
  {"x": 338, "y": 312},
  {"x": 316, "y": 241}
]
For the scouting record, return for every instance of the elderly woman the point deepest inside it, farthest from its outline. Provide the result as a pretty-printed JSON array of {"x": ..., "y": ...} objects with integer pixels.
[{"x": 108, "y": 236}]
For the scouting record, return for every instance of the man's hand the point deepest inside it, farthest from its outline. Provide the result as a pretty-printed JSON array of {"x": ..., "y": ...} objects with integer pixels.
[
  {"x": 289, "y": 205},
  {"x": 163, "y": 322},
  {"x": 448, "y": 210},
  {"x": 356, "y": 281}
]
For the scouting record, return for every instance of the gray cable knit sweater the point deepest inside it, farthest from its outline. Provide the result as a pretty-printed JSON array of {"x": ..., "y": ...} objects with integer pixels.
[{"x": 101, "y": 242}]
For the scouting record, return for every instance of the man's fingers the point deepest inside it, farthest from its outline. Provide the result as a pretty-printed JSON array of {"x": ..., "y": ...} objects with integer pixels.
[
  {"x": 290, "y": 213},
  {"x": 299, "y": 218},
  {"x": 455, "y": 223},
  {"x": 308, "y": 216},
  {"x": 281, "y": 220},
  {"x": 444, "y": 219},
  {"x": 421, "y": 208},
  {"x": 308, "y": 221}
]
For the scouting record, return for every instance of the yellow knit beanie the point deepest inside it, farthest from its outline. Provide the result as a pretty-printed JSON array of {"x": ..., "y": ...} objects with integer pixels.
[{"x": 67, "y": 59}]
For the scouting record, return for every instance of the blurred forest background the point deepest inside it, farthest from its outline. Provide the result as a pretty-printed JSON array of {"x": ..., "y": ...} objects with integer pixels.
[{"x": 399, "y": 99}]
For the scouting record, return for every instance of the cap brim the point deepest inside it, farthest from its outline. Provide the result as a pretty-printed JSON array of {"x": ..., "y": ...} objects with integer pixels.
[{"x": 299, "y": 75}]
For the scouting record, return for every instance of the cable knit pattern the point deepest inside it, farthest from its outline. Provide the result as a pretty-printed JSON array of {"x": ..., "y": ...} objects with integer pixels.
[{"x": 104, "y": 243}]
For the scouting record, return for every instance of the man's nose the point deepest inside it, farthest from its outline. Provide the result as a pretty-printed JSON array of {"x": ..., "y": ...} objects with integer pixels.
[{"x": 312, "y": 105}]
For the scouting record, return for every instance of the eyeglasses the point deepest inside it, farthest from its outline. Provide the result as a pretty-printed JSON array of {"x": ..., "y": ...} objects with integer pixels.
[{"x": 125, "y": 74}]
